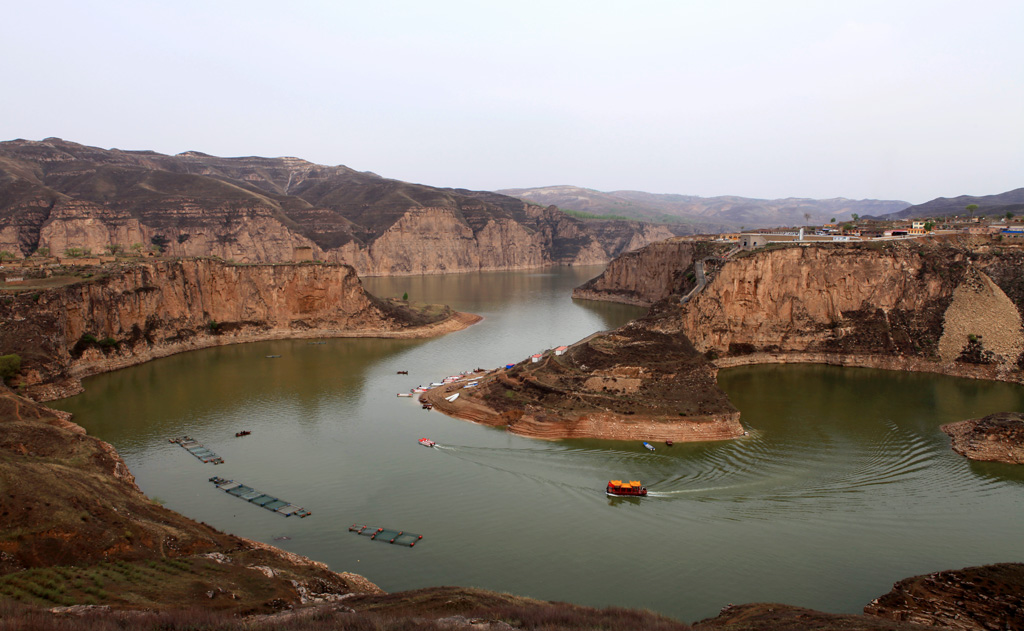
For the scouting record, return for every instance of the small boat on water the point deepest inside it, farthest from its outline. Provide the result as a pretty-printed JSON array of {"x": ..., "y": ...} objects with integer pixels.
[
  {"x": 244, "y": 432},
  {"x": 426, "y": 442},
  {"x": 405, "y": 394},
  {"x": 668, "y": 442},
  {"x": 272, "y": 356},
  {"x": 402, "y": 372},
  {"x": 649, "y": 446},
  {"x": 618, "y": 488},
  {"x": 436, "y": 384},
  {"x": 428, "y": 406},
  {"x": 420, "y": 389},
  {"x": 452, "y": 398}
]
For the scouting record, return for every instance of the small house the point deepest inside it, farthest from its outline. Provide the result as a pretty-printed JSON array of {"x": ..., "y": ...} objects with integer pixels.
[
  {"x": 536, "y": 358},
  {"x": 561, "y": 350}
]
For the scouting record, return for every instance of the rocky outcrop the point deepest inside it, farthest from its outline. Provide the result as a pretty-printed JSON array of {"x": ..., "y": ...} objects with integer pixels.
[
  {"x": 151, "y": 310},
  {"x": 948, "y": 308},
  {"x": 652, "y": 273},
  {"x": 971, "y": 599},
  {"x": 996, "y": 437},
  {"x": 63, "y": 196}
]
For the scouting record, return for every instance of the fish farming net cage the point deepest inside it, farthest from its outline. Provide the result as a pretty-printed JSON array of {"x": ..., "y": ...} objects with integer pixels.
[{"x": 387, "y": 535}]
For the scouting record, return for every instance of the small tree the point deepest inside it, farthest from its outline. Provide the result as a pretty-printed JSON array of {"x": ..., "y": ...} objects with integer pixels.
[
  {"x": 832, "y": 220},
  {"x": 5, "y": 255},
  {"x": 856, "y": 217},
  {"x": 1009, "y": 215},
  {"x": 928, "y": 225},
  {"x": 74, "y": 252},
  {"x": 113, "y": 248},
  {"x": 971, "y": 208},
  {"x": 43, "y": 251},
  {"x": 136, "y": 248},
  {"x": 160, "y": 241},
  {"x": 405, "y": 296},
  {"x": 807, "y": 217}
]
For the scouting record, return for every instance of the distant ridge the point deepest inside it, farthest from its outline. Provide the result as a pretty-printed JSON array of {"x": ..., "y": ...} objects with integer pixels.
[
  {"x": 988, "y": 205},
  {"x": 711, "y": 214}
]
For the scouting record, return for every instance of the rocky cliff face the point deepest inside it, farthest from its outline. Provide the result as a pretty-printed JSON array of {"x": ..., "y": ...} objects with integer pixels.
[
  {"x": 60, "y": 195},
  {"x": 156, "y": 309},
  {"x": 649, "y": 274},
  {"x": 931, "y": 307}
]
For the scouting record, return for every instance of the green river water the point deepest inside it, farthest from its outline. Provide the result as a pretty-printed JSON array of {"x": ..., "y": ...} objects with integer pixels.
[{"x": 844, "y": 485}]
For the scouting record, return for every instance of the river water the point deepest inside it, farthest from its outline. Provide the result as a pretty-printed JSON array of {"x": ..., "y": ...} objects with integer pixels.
[{"x": 844, "y": 485}]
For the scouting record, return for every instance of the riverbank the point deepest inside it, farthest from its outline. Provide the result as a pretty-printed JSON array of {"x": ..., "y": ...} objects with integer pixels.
[{"x": 151, "y": 310}]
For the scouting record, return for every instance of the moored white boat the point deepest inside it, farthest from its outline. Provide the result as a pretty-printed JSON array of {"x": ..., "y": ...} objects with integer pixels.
[{"x": 452, "y": 398}]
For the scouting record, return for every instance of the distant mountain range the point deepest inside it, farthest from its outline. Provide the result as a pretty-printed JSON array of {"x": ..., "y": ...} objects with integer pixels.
[
  {"x": 988, "y": 206},
  {"x": 705, "y": 214},
  {"x": 61, "y": 195}
]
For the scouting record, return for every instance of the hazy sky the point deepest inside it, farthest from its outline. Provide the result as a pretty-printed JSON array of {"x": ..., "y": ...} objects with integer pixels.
[{"x": 895, "y": 100}]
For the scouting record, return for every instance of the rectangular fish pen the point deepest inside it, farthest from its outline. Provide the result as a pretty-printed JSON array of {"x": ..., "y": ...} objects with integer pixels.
[
  {"x": 197, "y": 449},
  {"x": 259, "y": 498},
  {"x": 399, "y": 537}
]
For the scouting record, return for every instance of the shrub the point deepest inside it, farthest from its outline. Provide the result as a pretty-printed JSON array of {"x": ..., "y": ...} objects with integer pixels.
[{"x": 9, "y": 366}]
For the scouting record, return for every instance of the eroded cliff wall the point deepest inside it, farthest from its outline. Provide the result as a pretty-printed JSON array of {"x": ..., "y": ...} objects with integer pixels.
[
  {"x": 953, "y": 308},
  {"x": 918, "y": 307},
  {"x": 157, "y": 309},
  {"x": 62, "y": 196},
  {"x": 647, "y": 275}
]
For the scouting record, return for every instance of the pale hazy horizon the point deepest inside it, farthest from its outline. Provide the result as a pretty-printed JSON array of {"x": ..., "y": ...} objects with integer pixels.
[{"x": 884, "y": 100}]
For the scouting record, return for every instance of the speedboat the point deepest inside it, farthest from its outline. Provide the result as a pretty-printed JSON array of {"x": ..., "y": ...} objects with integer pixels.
[
  {"x": 405, "y": 394},
  {"x": 618, "y": 488},
  {"x": 426, "y": 442},
  {"x": 649, "y": 446}
]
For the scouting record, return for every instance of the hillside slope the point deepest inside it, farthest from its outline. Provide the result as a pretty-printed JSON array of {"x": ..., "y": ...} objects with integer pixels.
[
  {"x": 705, "y": 214},
  {"x": 60, "y": 195},
  {"x": 988, "y": 205}
]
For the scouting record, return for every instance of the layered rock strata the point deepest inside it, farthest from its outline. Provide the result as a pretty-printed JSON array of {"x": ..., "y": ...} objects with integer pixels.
[
  {"x": 996, "y": 437},
  {"x": 151, "y": 310}
]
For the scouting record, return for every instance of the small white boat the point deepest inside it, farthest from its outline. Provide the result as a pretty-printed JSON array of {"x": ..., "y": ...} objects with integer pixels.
[
  {"x": 405, "y": 394},
  {"x": 426, "y": 442},
  {"x": 649, "y": 446},
  {"x": 452, "y": 398},
  {"x": 436, "y": 384}
]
